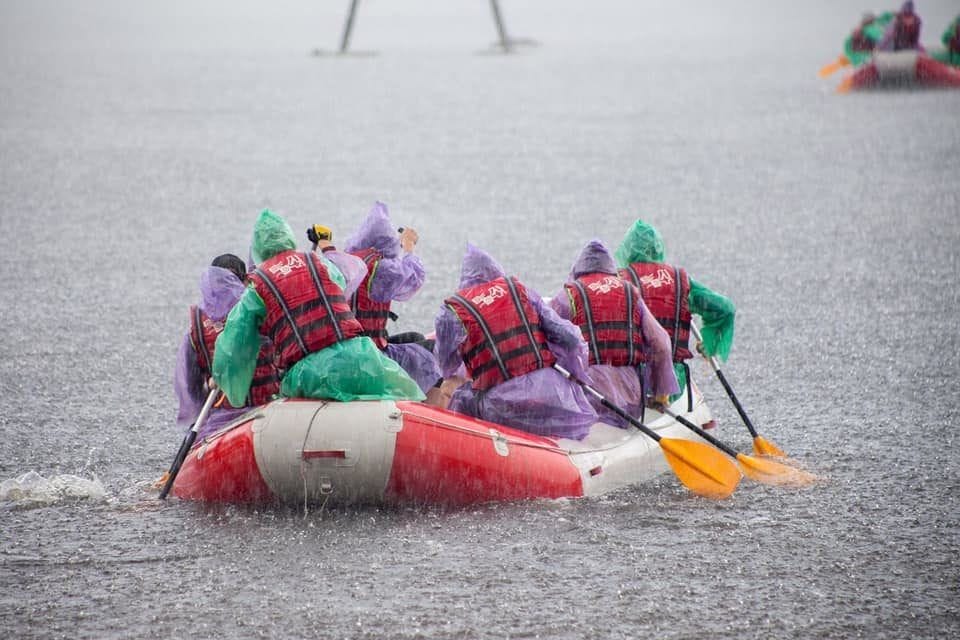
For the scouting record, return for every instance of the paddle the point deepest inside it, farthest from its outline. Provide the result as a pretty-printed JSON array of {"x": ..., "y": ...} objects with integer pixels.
[
  {"x": 831, "y": 68},
  {"x": 759, "y": 469},
  {"x": 761, "y": 446},
  {"x": 846, "y": 84},
  {"x": 187, "y": 443},
  {"x": 701, "y": 468}
]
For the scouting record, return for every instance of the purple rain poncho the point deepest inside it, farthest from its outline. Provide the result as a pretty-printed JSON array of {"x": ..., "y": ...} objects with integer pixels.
[
  {"x": 643, "y": 243},
  {"x": 891, "y": 40},
  {"x": 542, "y": 401},
  {"x": 219, "y": 291},
  {"x": 353, "y": 369},
  {"x": 398, "y": 277},
  {"x": 621, "y": 385}
]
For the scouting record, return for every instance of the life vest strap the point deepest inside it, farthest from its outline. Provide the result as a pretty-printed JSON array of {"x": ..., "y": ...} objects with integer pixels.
[
  {"x": 312, "y": 267},
  {"x": 523, "y": 318},
  {"x": 201, "y": 343},
  {"x": 487, "y": 334},
  {"x": 286, "y": 311}
]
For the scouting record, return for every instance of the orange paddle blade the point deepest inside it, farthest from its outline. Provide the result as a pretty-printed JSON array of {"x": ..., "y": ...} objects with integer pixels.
[
  {"x": 162, "y": 481},
  {"x": 829, "y": 69},
  {"x": 763, "y": 447},
  {"x": 701, "y": 468},
  {"x": 846, "y": 85},
  {"x": 771, "y": 472}
]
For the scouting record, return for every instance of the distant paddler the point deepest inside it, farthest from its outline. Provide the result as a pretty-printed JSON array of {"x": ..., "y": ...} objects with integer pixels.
[
  {"x": 859, "y": 46},
  {"x": 950, "y": 54},
  {"x": 903, "y": 34}
]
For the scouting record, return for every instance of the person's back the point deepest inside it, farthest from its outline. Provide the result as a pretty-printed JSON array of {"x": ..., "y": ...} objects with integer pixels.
[
  {"x": 394, "y": 273},
  {"x": 504, "y": 338},
  {"x": 864, "y": 38},
  {"x": 859, "y": 46},
  {"x": 904, "y": 32},
  {"x": 221, "y": 286},
  {"x": 507, "y": 340},
  {"x": 297, "y": 300},
  {"x": 306, "y": 311},
  {"x": 625, "y": 342},
  {"x": 673, "y": 298}
]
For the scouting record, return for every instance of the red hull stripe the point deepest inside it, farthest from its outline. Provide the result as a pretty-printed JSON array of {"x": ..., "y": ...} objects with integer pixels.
[
  {"x": 226, "y": 472},
  {"x": 444, "y": 457}
]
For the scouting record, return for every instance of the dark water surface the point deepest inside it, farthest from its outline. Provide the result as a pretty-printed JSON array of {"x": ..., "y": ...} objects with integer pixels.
[{"x": 138, "y": 140}]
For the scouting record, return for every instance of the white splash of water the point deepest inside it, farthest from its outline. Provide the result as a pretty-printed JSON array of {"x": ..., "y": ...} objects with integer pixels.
[{"x": 31, "y": 487}]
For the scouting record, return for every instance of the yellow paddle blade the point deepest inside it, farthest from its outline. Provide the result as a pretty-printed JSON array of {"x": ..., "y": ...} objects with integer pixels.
[
  {"x": 763, "y": 447},
  {"x": 829, "y": 69},
  {"x": 845, "y": 85},
  {"x": 771, "y": 472},
  {"x": 701, "y": 468}
]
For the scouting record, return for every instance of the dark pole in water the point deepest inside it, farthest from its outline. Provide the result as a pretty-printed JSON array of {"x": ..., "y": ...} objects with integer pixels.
[
  {"x": 348, "y": 27},
  {"x": 504, "y": 41}
]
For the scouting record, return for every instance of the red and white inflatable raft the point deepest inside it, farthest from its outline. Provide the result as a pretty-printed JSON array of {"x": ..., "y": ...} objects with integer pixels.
[
  {"x": 386, "y": 452},
  {"x": 902, "y": 69}
]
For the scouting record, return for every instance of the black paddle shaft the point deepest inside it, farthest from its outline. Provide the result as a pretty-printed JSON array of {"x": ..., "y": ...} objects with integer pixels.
[
  {"x": 726, "y": 385},
  {"x": 609, "y": 405},
  {"x": 188, "y": 441},
  {"x": 736, "y": 403},
  {"x": 178, "y": 461},
  {"x": 623, "y": 414},
  {"x": 703, "y": 434}
]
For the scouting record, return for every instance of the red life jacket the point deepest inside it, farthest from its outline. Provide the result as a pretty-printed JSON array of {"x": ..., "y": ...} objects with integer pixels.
[
  {"x": 605, "y": 309},
  {"x": 504, "y": 338},
  {"x": 906, "y": 32},
  {"x": 306, "y": 310},
  {"x": 372, "y": 315},
  {"x": 266, "y": 378},
  {"x": 665, "y": 289}
]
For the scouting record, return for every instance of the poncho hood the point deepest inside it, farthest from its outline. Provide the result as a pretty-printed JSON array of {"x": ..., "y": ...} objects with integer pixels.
[
  {"x": 376, "y": 232},
  {"x": 271, "y": 235},
  {"x": 595, "y": 258},
  {"x": 641, "y": 244},
  {"x": 219, "y": 291},
  {"x": 478, "y": 267}
]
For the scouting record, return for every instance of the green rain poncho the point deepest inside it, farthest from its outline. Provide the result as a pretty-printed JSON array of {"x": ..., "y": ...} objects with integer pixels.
[
  {"x": 350, "y": 370},
  {"x": 949, "y": 55},
  {"x": 644, "y": 244}
]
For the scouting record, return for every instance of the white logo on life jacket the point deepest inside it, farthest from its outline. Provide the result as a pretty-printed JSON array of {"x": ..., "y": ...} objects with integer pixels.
[
  {"x": 284, "y": 268},
  {"x": 663, "y": 277},
  {"x": 492, "y": 294},
  {"x": 606, "y": 285},
  {"x": 213, "y": 324}
]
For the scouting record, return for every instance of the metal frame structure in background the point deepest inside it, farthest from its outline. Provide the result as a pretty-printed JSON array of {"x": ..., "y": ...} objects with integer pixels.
[{"x": 506, "y": 44}]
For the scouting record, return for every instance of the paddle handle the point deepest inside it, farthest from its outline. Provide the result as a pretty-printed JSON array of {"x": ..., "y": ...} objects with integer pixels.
[
  {"x": 187, "y": 443},
  {"x": 712, "y": 360},
  {"x": 609, "y": 405},
  {"x": 726, "y": 385}
]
